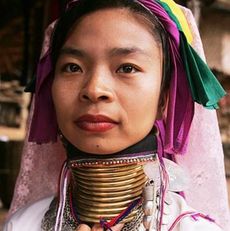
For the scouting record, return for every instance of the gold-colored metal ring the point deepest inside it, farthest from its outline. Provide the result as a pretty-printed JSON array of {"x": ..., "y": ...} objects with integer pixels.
[
  {"x": 115, "y": 189},
  {"x": 109, "y": 169},
  {"x": 90, "y": 183},
  {"x": 98, "y": 188},
  {"x": 109, "y": 199},
  {"x": 85, "y": 210},
  {"x": 87, "y": 173},
  {"x": 93, "y": 204},
  {"x": 110, "y": 184},
  {"x": 111, "y": 194},
  {"x": 109, "y": 178},
  {"x": 92, "y": 218}
]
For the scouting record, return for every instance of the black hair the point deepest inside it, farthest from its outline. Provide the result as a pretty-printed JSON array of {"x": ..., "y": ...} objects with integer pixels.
[{"x": 81, "y": 8}]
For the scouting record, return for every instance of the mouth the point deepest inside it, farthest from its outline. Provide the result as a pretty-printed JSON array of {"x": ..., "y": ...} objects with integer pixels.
[{"x": 95, "y": 123}]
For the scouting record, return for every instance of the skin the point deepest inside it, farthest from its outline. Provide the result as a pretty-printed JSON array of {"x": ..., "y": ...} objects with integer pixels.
[{"x": 112, "y": 68}]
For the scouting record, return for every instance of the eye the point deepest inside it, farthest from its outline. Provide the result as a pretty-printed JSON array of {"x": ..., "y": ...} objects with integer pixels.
[
  {"x": 127, "y": 68},
  {"x": 71, "y": 68}
]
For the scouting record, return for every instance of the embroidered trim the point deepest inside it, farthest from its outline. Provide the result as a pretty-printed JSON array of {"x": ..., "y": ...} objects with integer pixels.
[{"x": 139, "y": 159}]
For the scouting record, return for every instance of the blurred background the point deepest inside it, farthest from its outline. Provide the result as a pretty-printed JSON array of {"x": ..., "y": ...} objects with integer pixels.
[{"x": 22, "y": 26}]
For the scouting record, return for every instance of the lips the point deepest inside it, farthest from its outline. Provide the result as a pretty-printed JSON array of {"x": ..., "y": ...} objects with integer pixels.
[{"x": 95, "y": 123}]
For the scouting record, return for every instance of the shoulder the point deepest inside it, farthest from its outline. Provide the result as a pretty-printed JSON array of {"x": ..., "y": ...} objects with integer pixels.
[
  {"x": 28, "y": 218},
  {"x": 186, "y": 218},
  {"x": 178, "y": 216}
]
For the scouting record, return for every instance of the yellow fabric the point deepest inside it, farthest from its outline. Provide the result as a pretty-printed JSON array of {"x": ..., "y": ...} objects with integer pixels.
[{"x": 181, "y": 18}]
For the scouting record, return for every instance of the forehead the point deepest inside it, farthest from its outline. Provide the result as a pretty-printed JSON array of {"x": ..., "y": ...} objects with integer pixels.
[{"x": 111, "y": 27}]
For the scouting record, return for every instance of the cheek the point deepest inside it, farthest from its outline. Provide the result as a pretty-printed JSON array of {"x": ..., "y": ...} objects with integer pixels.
[
  {"x": 141, "y": 104},
  {"x": 63, "y": 97},
  {"x": 147, "y": 105},
  {"x": 147, "y": 96}
]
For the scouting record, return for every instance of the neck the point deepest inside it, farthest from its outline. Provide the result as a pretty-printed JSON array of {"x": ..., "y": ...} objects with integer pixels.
[
  {"x": 146, "y": 146},
  {"x": 103, "y": 186}
]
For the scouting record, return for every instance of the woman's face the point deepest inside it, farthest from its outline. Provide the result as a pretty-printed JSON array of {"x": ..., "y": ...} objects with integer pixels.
[{"x": 107, "y": 82}]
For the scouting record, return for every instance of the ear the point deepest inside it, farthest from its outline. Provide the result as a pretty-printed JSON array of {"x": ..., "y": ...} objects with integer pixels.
[{"x": 162, "y": 105}]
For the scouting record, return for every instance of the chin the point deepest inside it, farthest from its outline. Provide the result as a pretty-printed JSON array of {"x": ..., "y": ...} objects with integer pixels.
[
  {"x": 97, "y": 148},
  {"x": 100, "y": 150}
]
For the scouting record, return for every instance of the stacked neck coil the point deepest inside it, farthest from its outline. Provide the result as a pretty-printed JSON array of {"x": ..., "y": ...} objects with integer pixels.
[{"x": 106, "y": 191}]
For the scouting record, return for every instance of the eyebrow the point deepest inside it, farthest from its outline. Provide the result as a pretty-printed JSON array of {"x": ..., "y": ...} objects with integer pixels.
[
  {"x": 72, "y": 51},
  {"x": 127, "y": 51},
  {"x": 117, "y": 51}
]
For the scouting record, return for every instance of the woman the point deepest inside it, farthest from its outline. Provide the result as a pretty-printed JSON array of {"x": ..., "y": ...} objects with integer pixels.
[{"x": 116, "y": 68}]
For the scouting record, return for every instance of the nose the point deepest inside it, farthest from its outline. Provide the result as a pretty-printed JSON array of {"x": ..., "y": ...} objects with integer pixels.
[{"x": 97, "y": 88}]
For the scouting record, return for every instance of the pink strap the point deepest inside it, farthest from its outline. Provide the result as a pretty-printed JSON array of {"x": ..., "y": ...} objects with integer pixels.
[{"x": 191, "y": 214}]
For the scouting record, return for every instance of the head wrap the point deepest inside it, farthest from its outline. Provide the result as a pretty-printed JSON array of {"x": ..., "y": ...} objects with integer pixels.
[{"x": 191, "y": 81}]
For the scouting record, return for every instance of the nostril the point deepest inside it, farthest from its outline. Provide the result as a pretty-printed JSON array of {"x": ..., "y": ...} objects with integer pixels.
[
  {"x": 103, "y": 97},
  {"x": 85, "y": 97},
  {"x": 93, "y": 98}
]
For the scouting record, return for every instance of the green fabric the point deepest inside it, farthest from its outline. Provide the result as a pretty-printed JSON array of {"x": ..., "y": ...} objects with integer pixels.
[
  {"x": 204, "y": 86},
  {"x": 171, "y": 14}
]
